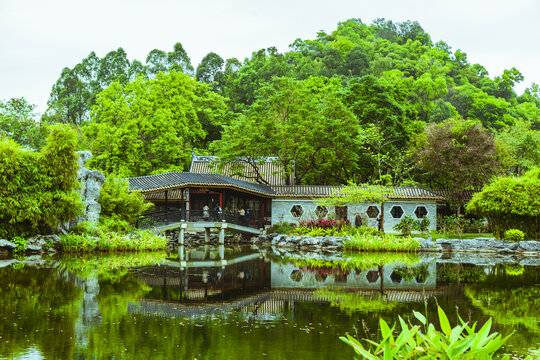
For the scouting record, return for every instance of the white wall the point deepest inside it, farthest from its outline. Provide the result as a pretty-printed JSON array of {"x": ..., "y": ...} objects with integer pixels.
[{"x": 281, "y": 212}]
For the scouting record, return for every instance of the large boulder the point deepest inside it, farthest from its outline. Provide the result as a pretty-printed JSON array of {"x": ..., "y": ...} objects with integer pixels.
[{"x": 91, "y": 182}]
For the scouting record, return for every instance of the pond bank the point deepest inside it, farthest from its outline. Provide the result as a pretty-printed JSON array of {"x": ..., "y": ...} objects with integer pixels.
[{"x": 478, "y": 245}]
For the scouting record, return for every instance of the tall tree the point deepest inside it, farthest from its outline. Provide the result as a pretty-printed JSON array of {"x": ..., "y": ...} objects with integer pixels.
[
  {"x": 19, "y": 122},
  {"x": 304, "y": 124},
  {"x": 457, "y": 155},
  {"x": 210, "y": 70},
  {"x": 151, "y": 126}
]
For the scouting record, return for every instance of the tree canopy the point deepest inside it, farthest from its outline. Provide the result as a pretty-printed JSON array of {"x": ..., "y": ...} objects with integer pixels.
[{"x": 151, "y": 126}]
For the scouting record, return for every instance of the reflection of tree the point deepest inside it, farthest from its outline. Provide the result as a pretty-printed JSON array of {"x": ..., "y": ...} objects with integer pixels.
[
  {"x": 356, "y": 261},
  {"x": 456, "y": 273},
  {"x": 109, "y": 266},
  {"x": 410, "y": 273},
  {"x": 352, "y": 302},
  {"x": 37, "y": 309},
  {"x": 517, "y": 308}
]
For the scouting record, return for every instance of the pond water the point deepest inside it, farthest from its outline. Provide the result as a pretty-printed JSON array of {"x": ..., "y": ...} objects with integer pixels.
[{"x": 246, "y": 303}]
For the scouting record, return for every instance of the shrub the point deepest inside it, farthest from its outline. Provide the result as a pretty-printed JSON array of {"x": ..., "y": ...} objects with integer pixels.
[
  {"x": 21, "y": 243},
  {"x": 115, "y": 225},
  {"x": 39, "y": 188},
  {"x": 281, "y": 228},
  {"x": 514, "y": 235},
  {"x": 406, "y": 225},
  {"x": 324, "y": 223},
  {"x": 455, "y": 224},
  {"x": 423, "y": 224},
  {"x": 119, "y": 203},
  {"x": 86, "y": 228},
  {"x": 425, "y": 342},
  {"x": 511, "y": 202}
]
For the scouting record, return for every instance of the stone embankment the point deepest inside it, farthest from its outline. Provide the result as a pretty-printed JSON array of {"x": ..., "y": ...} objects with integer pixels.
[
  {"x": 35, "y": 245},
  {"x": 478, "y": 245}
]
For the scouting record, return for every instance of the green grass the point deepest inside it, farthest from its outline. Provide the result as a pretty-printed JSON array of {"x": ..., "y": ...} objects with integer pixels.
[
  {"x": 382, "y": 242},
  {"x": 463, "y": 236},
  {"x": 141, "y": 240}
]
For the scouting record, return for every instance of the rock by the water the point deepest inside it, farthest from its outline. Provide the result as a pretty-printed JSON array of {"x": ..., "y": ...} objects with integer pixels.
[
  {"x": 529, "y": 246},
  {"x": 91, "y": 181},
  {"x": 34, "y": 248},
  {"x": 7, "y": 245}
]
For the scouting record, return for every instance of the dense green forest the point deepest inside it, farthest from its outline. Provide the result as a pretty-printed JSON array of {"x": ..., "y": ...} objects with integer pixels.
[{"x": 377, "y": 103}]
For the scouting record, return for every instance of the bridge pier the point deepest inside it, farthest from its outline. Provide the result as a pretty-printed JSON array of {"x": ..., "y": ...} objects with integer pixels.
[
  {"x": 222, "y": 233},
  {"x": 182, "y": 234}
]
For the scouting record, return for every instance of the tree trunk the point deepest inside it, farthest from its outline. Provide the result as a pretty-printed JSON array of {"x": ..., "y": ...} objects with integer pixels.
[{"x": 382, "y": 216}]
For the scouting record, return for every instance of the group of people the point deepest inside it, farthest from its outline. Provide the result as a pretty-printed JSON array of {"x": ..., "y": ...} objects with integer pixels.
[
  {"x": 216, "y": 214},
  {"x": 243, "y": 216}
]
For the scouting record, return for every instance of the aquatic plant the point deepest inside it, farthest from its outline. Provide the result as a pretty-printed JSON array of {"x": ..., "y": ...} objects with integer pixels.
[{"x": 425, "y": 342}]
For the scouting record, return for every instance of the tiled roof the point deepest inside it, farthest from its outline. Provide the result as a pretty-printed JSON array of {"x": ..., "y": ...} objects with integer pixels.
[
  {"x": 177, "y": 180},
  {"x": 448, "y": 194},
  {"x": 270, "y": 170},
  {"x": 320, "y": 191}
]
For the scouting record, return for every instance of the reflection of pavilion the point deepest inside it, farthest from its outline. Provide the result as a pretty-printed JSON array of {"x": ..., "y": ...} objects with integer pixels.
[{"x": 207, "y": 274}]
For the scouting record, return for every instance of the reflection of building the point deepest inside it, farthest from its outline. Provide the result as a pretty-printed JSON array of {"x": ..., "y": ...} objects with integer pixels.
[
  {"x": 211, "y": 280},
  {"x": 396, "y": 277}
]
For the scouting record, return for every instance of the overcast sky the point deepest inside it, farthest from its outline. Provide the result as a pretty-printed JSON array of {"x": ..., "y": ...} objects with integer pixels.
[{"x": 40, "y": 37}]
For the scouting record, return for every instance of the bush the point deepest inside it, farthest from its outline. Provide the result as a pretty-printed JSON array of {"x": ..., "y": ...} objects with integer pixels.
[
  {"x": 281, "y": 228},
  {"x": 514, "y": 235},
  {"x": 509, "y": 203},
  {"x": 39, "y": 188},
  {"x": 423, "y": 224},
  {"x": 324, "y": 223},
  {"x": 86, "y": 228},
  {"x": 119, "y": 203},
  {"x": 114, "y": 225},
  {"x": 406, "y": 225},
  {"x": 141, "y": 240},
  {"x": 21, "y": 243}
]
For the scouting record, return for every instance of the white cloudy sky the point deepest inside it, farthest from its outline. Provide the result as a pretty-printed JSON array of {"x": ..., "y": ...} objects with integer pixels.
[{"x": 40, "y": 37}]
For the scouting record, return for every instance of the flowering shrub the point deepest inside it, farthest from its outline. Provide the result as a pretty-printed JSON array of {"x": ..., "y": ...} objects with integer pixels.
[{"x": 324, "y": 223}]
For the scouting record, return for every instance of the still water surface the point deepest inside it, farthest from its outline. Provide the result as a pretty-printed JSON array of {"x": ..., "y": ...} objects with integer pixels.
[{"x": 246, "y": 303}]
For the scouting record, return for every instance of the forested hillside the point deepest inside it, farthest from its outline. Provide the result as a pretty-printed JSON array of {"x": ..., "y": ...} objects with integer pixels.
[{"x": 365, "y": 103}]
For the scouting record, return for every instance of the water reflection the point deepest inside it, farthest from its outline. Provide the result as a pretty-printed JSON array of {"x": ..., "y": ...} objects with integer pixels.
[{"x": 239, "y": 302}]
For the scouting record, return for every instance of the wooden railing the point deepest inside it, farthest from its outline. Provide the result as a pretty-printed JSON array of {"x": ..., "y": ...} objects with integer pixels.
[{"x": 160, "y": 218}]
